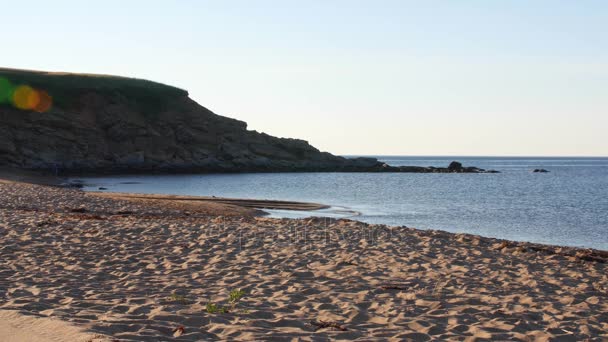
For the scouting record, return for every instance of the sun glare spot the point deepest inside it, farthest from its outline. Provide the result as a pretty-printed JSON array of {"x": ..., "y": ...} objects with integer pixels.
[
  {"x": 25, "y": 98},
  {"x": 45, "y": 101}
]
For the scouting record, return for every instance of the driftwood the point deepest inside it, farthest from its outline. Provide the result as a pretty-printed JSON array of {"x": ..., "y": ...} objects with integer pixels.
[{"x": 318, "y": 325}]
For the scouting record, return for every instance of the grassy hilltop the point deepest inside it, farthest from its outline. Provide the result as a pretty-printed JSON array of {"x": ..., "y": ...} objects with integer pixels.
[{"x": 65, "y": 88}]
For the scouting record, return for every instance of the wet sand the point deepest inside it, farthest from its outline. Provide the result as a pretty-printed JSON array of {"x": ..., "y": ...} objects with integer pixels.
[
  {"x": 233, "y": 202},
  {"x": 146, "y": 269}
]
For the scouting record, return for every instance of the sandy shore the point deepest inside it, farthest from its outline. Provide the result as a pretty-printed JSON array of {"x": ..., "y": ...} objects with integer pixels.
[
  {"x": 231, "y": 204},
  {"x": 146, "y": 269},
  {"x": 15, "y": 327}
]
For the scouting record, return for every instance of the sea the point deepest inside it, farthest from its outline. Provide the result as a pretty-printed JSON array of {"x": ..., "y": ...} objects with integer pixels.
[{"x": 566, "y": 206}]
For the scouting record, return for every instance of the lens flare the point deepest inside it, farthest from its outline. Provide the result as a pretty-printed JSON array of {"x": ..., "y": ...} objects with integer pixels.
[
  {"x": 25, "y": 98},
  {"x": 6, "y": 90},
  {"x": 45, "y": 101}
]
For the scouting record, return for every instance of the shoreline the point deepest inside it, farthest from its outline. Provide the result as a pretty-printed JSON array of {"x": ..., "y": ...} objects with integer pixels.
[
  {"x": 250, "y": 207},
  {"x": 139, "y": 267},
  {"x": 254, "y": 208},
  {"x": 258, "y": 205},
  {"x": 246, "y": 203},
  {"x": 579, "y": 252}
]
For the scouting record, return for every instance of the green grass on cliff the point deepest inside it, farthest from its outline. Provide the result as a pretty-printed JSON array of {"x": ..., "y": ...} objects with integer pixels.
[{"x": 65, "y": 88}]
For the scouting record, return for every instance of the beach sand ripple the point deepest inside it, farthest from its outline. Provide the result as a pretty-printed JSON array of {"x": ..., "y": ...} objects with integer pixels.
[{"x": 149, "y": 272}]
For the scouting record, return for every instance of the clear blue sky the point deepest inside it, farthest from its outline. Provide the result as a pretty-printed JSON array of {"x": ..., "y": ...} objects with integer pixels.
[{"x": 351, "y": 77}]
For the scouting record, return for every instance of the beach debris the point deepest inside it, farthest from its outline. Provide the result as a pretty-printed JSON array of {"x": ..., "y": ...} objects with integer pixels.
[
  {"x": 589, "y": 254},
  {"x": 502, "y": 245},
  {"x": 91, "y": 217},
  {"x": 124, "y": 212},
  {"x": 318, "y": 325},
  {"x": 402, "y": 285},
  {"x": 179, "y": 331},
  {"x": 46, "y": 222},
  {"x": 79, "y": 210},
  {"x": 348, "y": 262},
  {"x": 102, "y": 188},
  {"x": 540, "y": 171},
  {"x": 395, "y": 287}
]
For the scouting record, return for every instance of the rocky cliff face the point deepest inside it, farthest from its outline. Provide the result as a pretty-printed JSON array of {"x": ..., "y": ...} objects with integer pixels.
[
  {"x": 107, "y": 134},
  {"x": 105, "y": 124},
  {"x": 113, "y": 128}
]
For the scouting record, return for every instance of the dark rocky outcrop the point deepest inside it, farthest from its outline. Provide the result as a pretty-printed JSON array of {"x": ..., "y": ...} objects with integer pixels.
[
  {"x": 455, "y": 166},
  {"x": 103, "y": 124}
]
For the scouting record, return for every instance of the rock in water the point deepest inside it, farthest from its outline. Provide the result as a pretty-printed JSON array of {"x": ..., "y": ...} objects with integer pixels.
[{"x": 455, "y": 166}]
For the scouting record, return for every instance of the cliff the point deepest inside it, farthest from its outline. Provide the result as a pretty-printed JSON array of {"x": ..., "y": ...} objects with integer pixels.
[{"x": 108, "y": 124}]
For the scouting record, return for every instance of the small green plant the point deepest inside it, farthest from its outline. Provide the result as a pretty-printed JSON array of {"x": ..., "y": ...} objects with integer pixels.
[
  {"x": 177, "y": 298},
  {"x": 214, "y": 308},
  {"x": 233, "y": 298}
]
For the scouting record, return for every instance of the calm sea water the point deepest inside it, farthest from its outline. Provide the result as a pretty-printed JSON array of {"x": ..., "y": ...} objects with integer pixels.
[{"x": 568, "y": 206}]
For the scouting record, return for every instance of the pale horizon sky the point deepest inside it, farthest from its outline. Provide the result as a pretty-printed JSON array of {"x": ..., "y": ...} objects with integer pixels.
[{"x": 351, "y": 77}]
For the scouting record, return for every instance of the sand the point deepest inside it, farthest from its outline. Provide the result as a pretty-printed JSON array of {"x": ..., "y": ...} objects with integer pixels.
[
  {"x": 233, "y": 204},
  {"x": 146, "y": 270},
  {"x": 15, "y": 327}
]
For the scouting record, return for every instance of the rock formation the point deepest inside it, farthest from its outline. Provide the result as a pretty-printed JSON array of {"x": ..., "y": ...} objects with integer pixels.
[{"x": 106, "y": 124}]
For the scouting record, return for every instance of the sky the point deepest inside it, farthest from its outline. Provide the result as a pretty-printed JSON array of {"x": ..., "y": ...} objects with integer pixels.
[{"x": 498, "y": 78}]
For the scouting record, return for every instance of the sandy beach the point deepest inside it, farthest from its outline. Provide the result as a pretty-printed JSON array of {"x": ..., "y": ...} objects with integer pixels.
[{"x": 121, "y": 267}]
